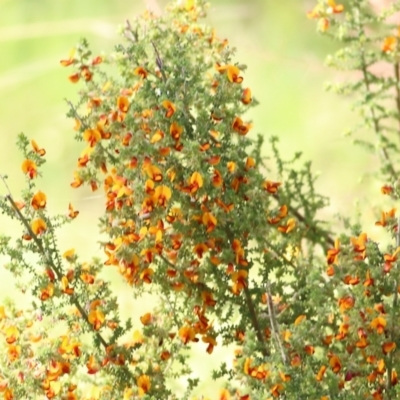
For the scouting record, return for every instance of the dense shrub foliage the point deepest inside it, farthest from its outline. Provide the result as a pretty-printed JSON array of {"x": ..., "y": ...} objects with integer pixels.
[{"x": 224, "y": 234}]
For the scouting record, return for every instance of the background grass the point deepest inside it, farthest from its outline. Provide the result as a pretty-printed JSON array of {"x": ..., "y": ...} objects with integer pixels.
[{"x": 284, "y": 55}]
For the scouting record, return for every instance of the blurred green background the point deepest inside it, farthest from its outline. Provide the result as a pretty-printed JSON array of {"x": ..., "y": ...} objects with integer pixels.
[{"x": 284, "y": 55}]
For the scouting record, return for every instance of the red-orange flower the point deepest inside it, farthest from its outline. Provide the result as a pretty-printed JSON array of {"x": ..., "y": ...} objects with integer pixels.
[
  {"x": 386, "y": 189},
  {"x": 169, "y": 107},
  {"x": 359, "y": 246},
  {"x": 332, "y": 254},
  {"x": 70, "y": 60},
  {"x": 334, "y": 8},
  {"x": 123, "y": 104},
  {"x": 195, "y": 182},
  {"x": 389, "y": 44},
  {"x": 92, "y": 136},
  {"x": 240, "y": 127},
  {"x": 288, "y": 227},
  {"x": 144, "y": 384},
  {"x": 246, "y": 96},
  {"x": 239, "y": 279},
  {"x": 384, "y": 216},
  {"x": 29, "y": 167},
  {"x": 37, "y": 149},
  {"x": 140, "y": 71},
  {"x": 96, "y": 318},
  {"x": 388, "y": 347},
  {"x": 187, "y": 334},
  {"x": 92, "y": 365},
  {"x": 271, "y": 187},
  {"x": 346, "y": 303},
  {"x": 71, "y": 212},
  {"x": 175, "y": 130},
  {"x": 209, "y": 221},
  {"x": 38, "y": 226},
  {"x": 379, "y": 324},
  {"x": 39, "y": 200}
]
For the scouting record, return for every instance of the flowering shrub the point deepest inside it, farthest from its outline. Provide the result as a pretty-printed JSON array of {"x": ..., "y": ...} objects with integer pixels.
[{"x": 226, "y": 239}]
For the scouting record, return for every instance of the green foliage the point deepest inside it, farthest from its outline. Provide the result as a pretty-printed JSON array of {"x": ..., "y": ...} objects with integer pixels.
[{"x": 230, "y": 241}]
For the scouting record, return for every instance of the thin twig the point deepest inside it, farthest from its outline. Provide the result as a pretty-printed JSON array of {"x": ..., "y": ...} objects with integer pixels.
[
  {"x": 274, "y": 325},
  {"x": 159, "y": 62}
]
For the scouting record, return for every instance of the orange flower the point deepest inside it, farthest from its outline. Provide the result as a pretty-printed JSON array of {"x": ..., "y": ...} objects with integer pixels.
[
  {"x": 232, "y": 72},
  {"x": 92, "y": 365},
  {"x": 123, "y": 104},
  {"x": 161, "y": 195},
  {"x": 239, "y": 279},
  {"x": 77, "y": 180},
  {"x": 389, "y": 259},
  {"x": 240, "y": 127},
  {"x": 13, "y": 352},
  {"x": 38, "y": 226},
  {"x": 153, "y": 172},
  {"x": 250, "y": 163},
  {"x": 332, "y": 254},
  {"x": 71, "y": 60},
  {"x": 146, "y": 319},
  {"x": 209, "y": 221},
  {"x": 277, "y": 216},
  {"x": 276, "y": 390},
  {"x": 271, "y": 187},
  {"x": 389, "y": 44},
  {"x": 321, "y": 373},
  {"x": 29, "y": 167},
  {"x": 74, "y": 77},
  {"x": 299, "y": 320},
  {"x": 211, "y": 343},
  {"x": 169, "y": 107},
  {"x": 290, "y": 225},
  {"x": 200, "y": 249},
  {"x": 39, "y": 200},
  {"x": 388, "y": 347},
  {"x": 175, "y": 130},
  {"x": 246, "y": 96},
  {"x": 316, "y": 12},
  {"x": 140, "y": 71},
  {"x": 187, "y": 334},
  {"x": 96, "y": 318},
  {"x": 144, "y": 384},
  {"x": 384, "y": 215},
  {"x": 379, "y": 324},
  {"x": 71, "y": 212},
  {"x": 359, "y": 246},
  {"x": 346, "y": 303},
  {"x": 37, "y": 150},
  {"x": 195, "y": 182},
  {"x": 92, "y": 136},
  {"x": 386, "y": 189},
  {"x": 334, "y": 8},
  {"x": 224, "y": 395},
  {"x": 11, "y": 333},
  {"x": 335, "y": 363},
  {"x": 46, "y": 292},
  {"x": 158, "y": 135}
]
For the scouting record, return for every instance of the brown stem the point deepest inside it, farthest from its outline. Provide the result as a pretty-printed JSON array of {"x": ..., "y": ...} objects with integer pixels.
[
  {"x": 275, "y": 326},
  {"x": 254, "y": 321},
  {"x": 328, "y": 239}
]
